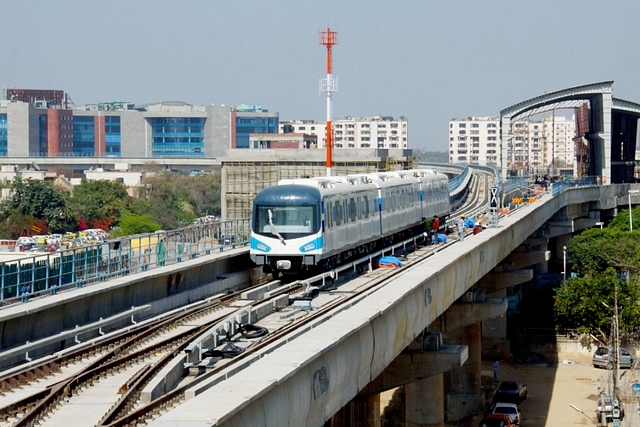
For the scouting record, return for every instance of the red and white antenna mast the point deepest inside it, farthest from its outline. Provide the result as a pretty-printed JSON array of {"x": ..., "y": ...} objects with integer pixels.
[{"x": 329, "y": 85}]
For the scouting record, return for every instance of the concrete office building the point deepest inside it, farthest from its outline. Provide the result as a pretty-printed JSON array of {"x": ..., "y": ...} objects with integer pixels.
[
  {"x": 383, "y": 132},
  {"x": 119, "y": 129}
]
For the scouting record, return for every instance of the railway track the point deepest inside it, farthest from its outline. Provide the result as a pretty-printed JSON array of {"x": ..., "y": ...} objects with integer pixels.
[
  {"x": 31, "y": 395},
  {"x": 122, "y": 365}
]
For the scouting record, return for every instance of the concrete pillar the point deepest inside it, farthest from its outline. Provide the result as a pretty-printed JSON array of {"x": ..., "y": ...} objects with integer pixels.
[
  {"x": 362, "y": 411},
  {"x": 465, "y": 395},
  {"x": 494, "y": 334},
  {"x": 425, "y": 402},
  {"x": 543, "y": 267}
]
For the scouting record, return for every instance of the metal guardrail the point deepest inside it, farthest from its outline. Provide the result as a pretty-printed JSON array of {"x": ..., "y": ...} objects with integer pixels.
[
  {"x": 455, "y": 182},
  {"x": 34, "y": 274},
  {"x": 559, "y": 186},
  {"x": 515, "y": 184}
]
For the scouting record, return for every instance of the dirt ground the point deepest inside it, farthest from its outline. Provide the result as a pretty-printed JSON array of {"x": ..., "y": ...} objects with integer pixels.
[{"x": 551, "y": 392}]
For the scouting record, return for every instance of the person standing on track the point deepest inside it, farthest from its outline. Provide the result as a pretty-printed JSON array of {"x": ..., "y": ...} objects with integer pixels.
[
  {"x": 460, "y": 225},
  {"x": 435, "y": 224},
  {"x": 435, "y": 228}
]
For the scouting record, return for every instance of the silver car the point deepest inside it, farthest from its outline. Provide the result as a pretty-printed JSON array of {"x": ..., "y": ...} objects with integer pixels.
[{"x": 603, "y": 358}]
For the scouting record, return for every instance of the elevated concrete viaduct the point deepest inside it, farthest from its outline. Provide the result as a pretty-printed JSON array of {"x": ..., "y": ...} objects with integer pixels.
[
  {"x": 331, "y": 374},
  {"x": 437, "y": 320}
]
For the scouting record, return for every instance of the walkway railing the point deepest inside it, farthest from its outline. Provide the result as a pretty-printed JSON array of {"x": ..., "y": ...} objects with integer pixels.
[
  {"x": 25, "y": 275},
  {"x": 455, "y": 182},
  {"x": 559, "y": 186}
]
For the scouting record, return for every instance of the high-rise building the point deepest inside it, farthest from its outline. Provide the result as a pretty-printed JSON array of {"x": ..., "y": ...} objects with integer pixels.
[
  {"x": 475, "y": 141},
  {"x": 542, "y": 146},
  {"x": 356, "y": 132}
]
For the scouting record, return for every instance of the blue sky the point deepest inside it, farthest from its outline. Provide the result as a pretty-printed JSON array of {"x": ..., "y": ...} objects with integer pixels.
[{"x": 430, "y": 61}]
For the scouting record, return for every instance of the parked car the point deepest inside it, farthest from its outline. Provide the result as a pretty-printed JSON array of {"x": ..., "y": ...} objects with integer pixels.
[
  {"x": 603, "y": 358},
  {"x": 513, "y": 391},
  {"x": 25, "y": 244},
  {"x": 498, "y": 420},
  {"x": 510, "y": 409}
]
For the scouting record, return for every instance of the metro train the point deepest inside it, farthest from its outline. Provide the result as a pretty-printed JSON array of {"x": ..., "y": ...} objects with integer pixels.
[{"x": 312, "y": 224}]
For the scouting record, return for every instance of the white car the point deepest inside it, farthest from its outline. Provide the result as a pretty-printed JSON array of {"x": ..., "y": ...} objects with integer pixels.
[{"x": 509, "y": 409}]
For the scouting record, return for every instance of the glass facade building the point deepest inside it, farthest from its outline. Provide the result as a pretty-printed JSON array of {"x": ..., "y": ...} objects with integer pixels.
[
  {"x": 84, "y": 131},
  {"x": 167, "y": 129},
  {"x": 43, "y": 135},
  {"x": 248, "y": 125},
  {"x": 177, "y": 136},
  {"x": 3, "y": 135},
  {"x": 112, "y": 136}
]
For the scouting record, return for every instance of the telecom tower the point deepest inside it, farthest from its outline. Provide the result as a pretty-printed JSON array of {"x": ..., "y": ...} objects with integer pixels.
[{"x": 329, "y": 85}]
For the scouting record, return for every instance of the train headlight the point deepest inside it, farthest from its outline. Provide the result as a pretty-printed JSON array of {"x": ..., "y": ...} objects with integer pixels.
[
  {"x": 261, "y": 247},
  {"x": 283, "y": 264}
]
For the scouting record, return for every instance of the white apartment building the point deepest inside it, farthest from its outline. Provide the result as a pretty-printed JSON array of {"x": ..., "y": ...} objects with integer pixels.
[
  {"x": 531, "y": 151},
  {"x": 355, "y": 132},
  {"x": 475, "y": 141}
]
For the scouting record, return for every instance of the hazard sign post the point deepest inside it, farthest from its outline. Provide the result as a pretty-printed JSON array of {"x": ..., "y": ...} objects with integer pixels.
[{"x": 493, "y": 206}]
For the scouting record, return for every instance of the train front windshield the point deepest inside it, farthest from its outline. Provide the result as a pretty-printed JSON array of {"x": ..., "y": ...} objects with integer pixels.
[{"x": 287, "y": 222}]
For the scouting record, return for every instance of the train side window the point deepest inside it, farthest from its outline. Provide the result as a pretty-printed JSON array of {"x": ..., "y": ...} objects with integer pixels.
[
  {"x": 353, "y": 209},
  {"x": 341, "y": 207},
  {"x": 328, "y": 216},
  {"x": 336, "y": 217},
  {"x": 344, "y": 214},
  {"x": 366, "y": 206}
]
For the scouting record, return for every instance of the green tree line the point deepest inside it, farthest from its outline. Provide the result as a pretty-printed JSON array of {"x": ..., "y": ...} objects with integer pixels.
[
  {"x": 605, "y": 263},
  {"x": 165, "y": 200}
]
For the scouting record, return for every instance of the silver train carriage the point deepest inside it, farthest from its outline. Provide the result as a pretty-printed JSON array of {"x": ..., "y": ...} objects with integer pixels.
[{"x": 307, "y": 223}]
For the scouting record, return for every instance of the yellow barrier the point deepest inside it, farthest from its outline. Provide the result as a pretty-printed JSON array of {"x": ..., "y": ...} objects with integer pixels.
[
  {"x": 517, "y": 200},
  {"x": 143, "y": 242}
]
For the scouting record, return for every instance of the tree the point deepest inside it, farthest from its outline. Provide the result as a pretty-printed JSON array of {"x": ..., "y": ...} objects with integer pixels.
[
  {"x": 175, "y": 200},
  {"x": 205, "y": 191},
  {"x": 597, "y": 250},
  {"x": 135, "y": 224},
  {"x": 603, "y": 260},
  {"x": 39, "y": 200},
  {"x": 587, "y": 304},
  {"x": 99, "y": 203}
]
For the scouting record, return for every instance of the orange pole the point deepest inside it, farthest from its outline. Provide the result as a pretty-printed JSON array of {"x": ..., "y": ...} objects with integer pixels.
[{"x": 328, "y": 39}]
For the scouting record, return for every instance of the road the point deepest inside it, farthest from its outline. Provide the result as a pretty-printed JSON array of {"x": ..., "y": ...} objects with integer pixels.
[{"x": 553, "y": 389}]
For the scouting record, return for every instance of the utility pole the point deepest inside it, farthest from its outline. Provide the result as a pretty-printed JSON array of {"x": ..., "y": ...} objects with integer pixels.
[{"x": 616, "y": 342}]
